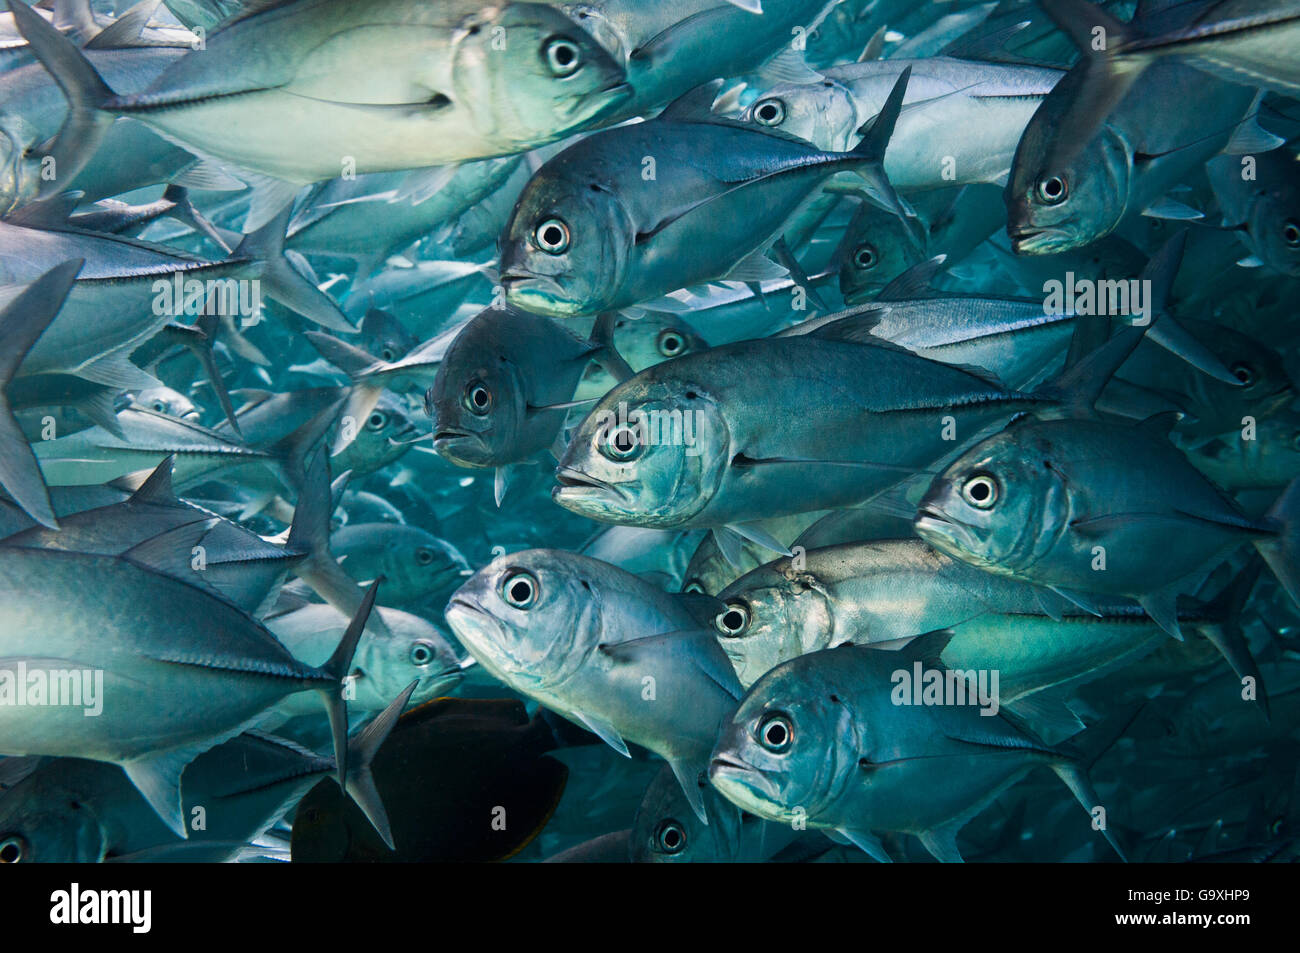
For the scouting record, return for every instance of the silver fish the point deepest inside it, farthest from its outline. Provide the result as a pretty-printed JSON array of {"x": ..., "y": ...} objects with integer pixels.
[
  {"x": 593, "y": 231},
  {"x": 822, "y": 740},
  {"x": 605, "y": 649}
]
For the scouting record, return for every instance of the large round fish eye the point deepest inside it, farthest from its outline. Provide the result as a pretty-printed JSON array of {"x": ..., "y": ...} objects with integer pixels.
[
  {"x": 13, "y": 850},
  {"x": 670, "y": 343},
  {"x": 776, "y": 732},
  {"x": 477, "y": 399},
  {"x": 376, "y": 420},
  {"x": 865, "y": 256},
  {"x": 424, "y": 555},
  {"x": 733, "y": 620},
  {"x": 980, "y": 491},
  {"x": 520, "y": 588},
  {"x": 563, "y": 56},
  {"x": 1291, "y": 232},
  {"x": 623, "y": 442},
  {"x": 1052, "y": 189},
  {"x": 769, "y": 112},
  {"x": 388, "y": 354},
  {"x": 670, "y": 836},
  {"x": 422, "y": 653},
  {"x": 1244, "y": 373},
  {"x": 552, "y": 236}
]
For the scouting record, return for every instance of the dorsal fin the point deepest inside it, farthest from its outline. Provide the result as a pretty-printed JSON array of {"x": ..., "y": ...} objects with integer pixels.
[
  {"x": 1160, "y": 425},
  {"x": 158, "y": 487},
  {"x": 695, "y": 104},
  {"x": 52, "y": 212},
  {"x": 915, "y": 282}
]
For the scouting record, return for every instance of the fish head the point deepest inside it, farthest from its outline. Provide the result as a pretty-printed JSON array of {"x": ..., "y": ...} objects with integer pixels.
[
  {"x": 538, "y": 74},
  {"x": 666, "y": 829},
  {"x": 787, "y": 749},
  {"x": 164, "y": 400},
  {"x": 48, "y": 823},
  {"x": 386, "y": 435},
  {"x": 1274, "y": 228},
  {"x": 421, "y": 562},
  {"x": 875, "y": 250},
  {"x": 413, "y": 649},
  {"x": 565, "y": 250},
  {"x": 770, "y": 615},
  {"x": 651, "y": 453},
  {"x": 21, "y": 164},
  {"x": 1053, "y": 209},
  {"x": 1001, "y": 505},
  {"x": 820, "y": 113},
  {"x": 654, "y": 338},
  {"x": 530, "y": 618},
  {"x": 478, "y": 403}
]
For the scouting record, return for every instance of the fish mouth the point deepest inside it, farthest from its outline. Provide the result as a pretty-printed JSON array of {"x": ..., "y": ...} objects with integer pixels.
[
  {"x": 724, "y": 763},
  {"x": 574, "y": 484},
  {"x": 931, "y": 519},
  {"x": 597, "y": 103},
  {"x": 445, "y": 437},
  {"x": 1029, "y": 240}
]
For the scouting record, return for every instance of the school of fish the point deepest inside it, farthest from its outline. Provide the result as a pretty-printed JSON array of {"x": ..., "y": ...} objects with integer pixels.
[{"x": 649, "y": 430}]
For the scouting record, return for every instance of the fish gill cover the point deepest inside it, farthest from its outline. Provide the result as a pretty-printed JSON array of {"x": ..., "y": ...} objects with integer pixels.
[{"x": 706, "y": 430}]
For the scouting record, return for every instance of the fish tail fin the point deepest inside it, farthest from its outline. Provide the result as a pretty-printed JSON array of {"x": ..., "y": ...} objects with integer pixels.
[
  {"x": 606, "y": 355},
  {"x": 1105, "y": 77},
  {"x": 1158, "y": 275},
  {"x": 348, "y": 358},
  {"x": 291, "y": 451},
  {"x": 361, "y": 753},
  {"x": 310, "y": 535},
  {"x": 870, "y": 152},
  {"x": 87, "y": 121},
  {"x": 1282, "y": 551},
  {"x": 1075, "y": 777},
  {"x": 284, "y": 283},
  {"x": 1223, "y": 628},
  {"x": 202, "y": 349},
  {"x": 1079, "y": 385},
  {"x": 21, "y": 325},
  {"x": 1078, "y": 759},
  {"x": 337, "y": 669}
]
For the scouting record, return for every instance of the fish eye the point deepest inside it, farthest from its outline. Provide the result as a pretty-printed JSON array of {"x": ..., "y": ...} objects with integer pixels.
[
  {"x": 980, "y": 491},
  {"x": 769, "y": 112},
  {"x": 377, "y": 420},
  {"x": 520, "y": 588},
  {"x": 670, "y": 343},
  {"x": 865, "y": 256},
  {"x": 552, "y": 236},
  {"x": 1291, "y": 232},
  {"x": 160, "y": 406},
  {"x": 563, "y": 56},
  {"x": 776, "y": 732},
  {"x": 388, "y": 354},
  {"x": 1052, "y": 189},
  {"x": 13, "y": 850},
  {"x": 693, "y": 586},
  {"x": 478, "y": 399},
  {"x": 421, "y": 653},
  {"x": 424, "y": 555},
  {"x": 1244, "y": 373},
  {"x": 670, "y": 836},
  {"x": 622, "y": 443},
  {"x": 733, "y": 620}
]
